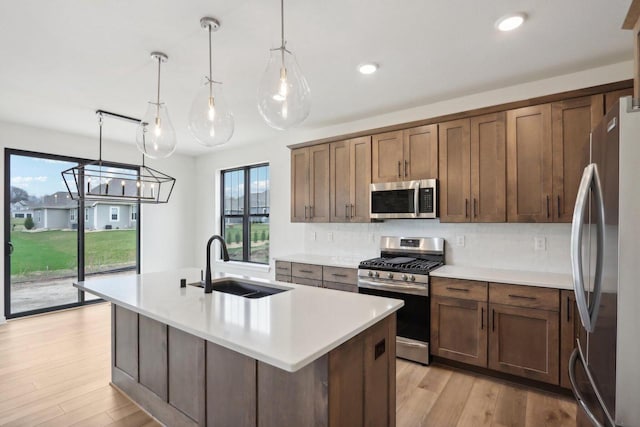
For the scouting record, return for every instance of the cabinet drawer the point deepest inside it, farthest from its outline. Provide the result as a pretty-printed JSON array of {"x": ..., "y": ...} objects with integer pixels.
[
  {"x": 308, "y": 282},
  {"x": 458, "y": 288},
  {"x": 283, "y": 277},
  {"x": 306, "y": 271},
  {"x": 340, "y": 286},
  {"x": 347, "y": 276},
  {"x": 283, "y": 267},
  {"x": 524, "y": 296}
]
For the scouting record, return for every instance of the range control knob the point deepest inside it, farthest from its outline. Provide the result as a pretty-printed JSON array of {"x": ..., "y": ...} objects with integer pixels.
[
  {"x": 370, "y": 274},
  {"x": 376, "y": 274},
  {"x": 412, "y": 278},
  {"x": 390, "y": 275},
  {"x": 405, "y": 277}
]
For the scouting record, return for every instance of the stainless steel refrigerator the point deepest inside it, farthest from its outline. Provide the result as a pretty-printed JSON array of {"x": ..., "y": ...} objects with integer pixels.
[{"x": 605, "y": 255}]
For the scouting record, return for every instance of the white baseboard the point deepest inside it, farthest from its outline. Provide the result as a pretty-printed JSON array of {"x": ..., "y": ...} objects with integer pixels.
[{"x": 2, "y": 320}]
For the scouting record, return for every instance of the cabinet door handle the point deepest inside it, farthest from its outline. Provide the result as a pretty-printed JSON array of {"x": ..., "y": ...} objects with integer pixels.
[
  {"x": 481, "y": 318},
  {"x": 310, "y": 212},
  {"x": 282, "y": 268},
  {"x": 466, "y": 208},
  {"x": 522, "y": 297},
  {"x": 352, "y": 211},
  {"x": 457, "y": 289},
  {"x": 559, "y": 213},
  {"x": 493, "y": 320},
  {"x": 548, "y": 209},
  {"x": 568, "y": 309},
  {"x": 346, "y": 211},
  {"x": 475, "y": 207},
  {"x": 306, "y": 271},
  {"x": 399, "y": 165},
  {"x": 406, "y": 166},
  {"x": 338, "y": 275},
  {"x": 305, "y": 212}
]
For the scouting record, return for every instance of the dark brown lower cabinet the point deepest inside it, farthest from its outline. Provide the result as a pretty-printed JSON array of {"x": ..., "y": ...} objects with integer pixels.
[
  {"x": 210, "y": 385},
  {"x": 459, "y": 330},
  {"x": 524, "y": 342}
]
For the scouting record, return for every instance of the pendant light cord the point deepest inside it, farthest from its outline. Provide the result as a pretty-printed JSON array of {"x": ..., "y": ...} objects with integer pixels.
[
  {"x": 158, "y": 98},
  {"x": 282, "y": 22},
  {"x": 210, "y": 66}
]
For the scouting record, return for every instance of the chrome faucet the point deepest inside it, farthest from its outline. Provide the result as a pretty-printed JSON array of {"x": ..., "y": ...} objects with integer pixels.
[{"x": 208, "y": 286}]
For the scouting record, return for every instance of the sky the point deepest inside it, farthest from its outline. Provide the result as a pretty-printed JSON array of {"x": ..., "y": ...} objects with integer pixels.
[{"x": 38, "y": 176}]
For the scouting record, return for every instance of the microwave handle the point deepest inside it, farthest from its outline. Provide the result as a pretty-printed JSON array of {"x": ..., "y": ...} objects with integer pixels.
[{"x": 416, "y": 201}]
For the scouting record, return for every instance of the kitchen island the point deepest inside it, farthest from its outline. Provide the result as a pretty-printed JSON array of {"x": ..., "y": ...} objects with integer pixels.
[{"x": 305, "y": 356}]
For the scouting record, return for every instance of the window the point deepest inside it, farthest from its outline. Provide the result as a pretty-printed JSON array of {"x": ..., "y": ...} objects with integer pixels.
[
  {"x": 114, "y": 213},
  {"x": 19, "y": 215},
  {"x": 245, "y": 218},
  {"x": 134, "y": 213},
  {"x": 28, "y": 215},
  {"x": 73, "y": 213},
  {"x": 38, "y": 217},
  {"x": 86, "y": 214}
]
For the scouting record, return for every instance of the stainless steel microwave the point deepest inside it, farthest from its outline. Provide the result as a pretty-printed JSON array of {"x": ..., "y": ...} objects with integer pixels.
[{"x": 405, "y": 199}]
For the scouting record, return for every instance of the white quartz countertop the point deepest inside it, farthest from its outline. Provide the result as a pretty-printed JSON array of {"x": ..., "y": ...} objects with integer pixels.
[
  {"x": 514, "y": 277},
  {"x": 287, "y": 330},
  {"x": 328, "y": 260}
]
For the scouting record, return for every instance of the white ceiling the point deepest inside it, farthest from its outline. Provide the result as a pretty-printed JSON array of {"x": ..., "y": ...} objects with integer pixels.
[{"x": 63, "y": 59}]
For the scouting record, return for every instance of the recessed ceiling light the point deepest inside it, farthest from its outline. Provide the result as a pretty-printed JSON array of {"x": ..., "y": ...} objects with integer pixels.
[
  {"x": 510, "y": 22},
  {"x": 368, "y": 68}
]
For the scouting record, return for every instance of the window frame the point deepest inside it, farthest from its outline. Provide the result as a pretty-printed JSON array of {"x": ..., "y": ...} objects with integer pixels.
[
  {"x": 246, "y": 215},
  {"x": 73, "y": 215},
  {"x": 117, "y": 208}
]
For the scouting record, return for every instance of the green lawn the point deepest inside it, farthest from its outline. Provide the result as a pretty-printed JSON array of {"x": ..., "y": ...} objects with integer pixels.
[
  {"x": 259, "y": 241},
  {"x": 51, "y": 251}
]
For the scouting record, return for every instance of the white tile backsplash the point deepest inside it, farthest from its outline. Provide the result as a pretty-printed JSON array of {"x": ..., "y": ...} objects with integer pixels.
[{"x": 509, "y": 246}]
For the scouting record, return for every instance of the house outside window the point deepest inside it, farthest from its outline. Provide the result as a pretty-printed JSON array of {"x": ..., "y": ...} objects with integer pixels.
[
  {"x": 245, "y": 215},
  {"x": 114, "y": 213},
  {"x": 19, "y": 215},
  {"x": 86, "y": 214},
  {"x": 134, "y": 213},
  {"x": 38, "y": 217},
  {"x": 73, "y": 213}
]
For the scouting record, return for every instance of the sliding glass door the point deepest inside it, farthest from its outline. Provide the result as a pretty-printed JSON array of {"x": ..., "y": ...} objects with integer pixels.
[{"x": 53, "y": 240}]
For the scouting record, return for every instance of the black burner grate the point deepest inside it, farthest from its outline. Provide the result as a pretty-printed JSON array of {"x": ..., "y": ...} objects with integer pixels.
[{"x": 416, "y": 266}]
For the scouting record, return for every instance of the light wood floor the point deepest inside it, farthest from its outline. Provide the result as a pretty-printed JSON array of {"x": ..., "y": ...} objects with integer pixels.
[{"x": 55, "y": 369}]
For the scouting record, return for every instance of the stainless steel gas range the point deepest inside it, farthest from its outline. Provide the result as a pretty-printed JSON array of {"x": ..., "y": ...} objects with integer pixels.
[{"x": 402, "y": 272}]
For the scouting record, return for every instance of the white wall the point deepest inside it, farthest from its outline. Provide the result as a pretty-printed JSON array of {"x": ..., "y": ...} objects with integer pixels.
[
  {"x": 501, "y": 245},
  {"x": 167, "y": 230}
]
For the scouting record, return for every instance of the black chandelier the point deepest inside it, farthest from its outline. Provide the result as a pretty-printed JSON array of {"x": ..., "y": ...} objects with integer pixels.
[{"x": 100, "y": 180}]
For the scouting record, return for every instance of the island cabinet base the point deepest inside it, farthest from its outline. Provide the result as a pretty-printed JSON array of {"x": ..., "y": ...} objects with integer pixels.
[{"x": 184, "y": 380}]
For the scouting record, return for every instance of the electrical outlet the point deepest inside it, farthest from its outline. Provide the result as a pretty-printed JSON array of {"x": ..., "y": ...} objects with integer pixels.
[
  {"x": 330, "y": 236},
  {"x": 460, "y": 241},
  {"x": 540, "y": 243}
]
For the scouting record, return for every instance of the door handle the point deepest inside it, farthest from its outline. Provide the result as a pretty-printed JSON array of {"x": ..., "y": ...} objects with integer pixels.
[
  {"x": 310, "y": 212},
  {"x": 9, "y": 248},
  {"x": 457, "y": 289},
  {"x": 475, "y": 207},
  {"x": 466, "y": 208},
  {"x": 352, "y": 210},
  {"x": 548, "y": 208},
  {"x": 481, "y": 318},
  {"x": 346, "y": 211},
  {"x": 399, "y": 165},
  {"x": 590, "y": 180},
  {"x": 568, "y": 309},
  {"x": 493, "y": 320},
  {"x": 406, "y": 166},
  {"x": 559, "y": 213},
  {"x": 576, "y": 390},
  {"x": 305, "y": 212}
]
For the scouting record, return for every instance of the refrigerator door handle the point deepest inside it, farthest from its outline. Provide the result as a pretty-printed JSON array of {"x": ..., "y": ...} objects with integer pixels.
[
  {"x": 577, "y": 225},
  {"x": 576, "y": 391},
  {"x": 590, "y": 181},
  {"x": 597, "y": 281}
]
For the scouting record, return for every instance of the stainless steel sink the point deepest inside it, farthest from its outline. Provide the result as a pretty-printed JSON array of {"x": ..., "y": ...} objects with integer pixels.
[{"x": 241, "y": 288}]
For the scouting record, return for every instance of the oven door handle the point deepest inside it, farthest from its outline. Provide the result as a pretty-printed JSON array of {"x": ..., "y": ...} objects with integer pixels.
[{"x": 399, "y": 288}]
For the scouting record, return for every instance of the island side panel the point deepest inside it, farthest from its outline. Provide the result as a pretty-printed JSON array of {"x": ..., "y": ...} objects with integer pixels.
[
  {"x": 391, "y": 330},
  {"x": 293, "y": 398},
  {"x": 126, "y": 341},
  {"x": 231, "y": 388},
  {"x": 153, "y": 356},
  {"x": 187, "y": 374},
  {"x": 346, "y": 384}
]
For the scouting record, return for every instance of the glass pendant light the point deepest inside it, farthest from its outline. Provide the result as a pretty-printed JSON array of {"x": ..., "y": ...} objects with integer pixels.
[
  {"x": 156, "y": 137},
  {"x": 210, "y": 121},
  {"x": 283, "y": 95}
]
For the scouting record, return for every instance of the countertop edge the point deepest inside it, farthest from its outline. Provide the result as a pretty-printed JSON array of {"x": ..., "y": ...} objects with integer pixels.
[{"x": 512, "y": 277}]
